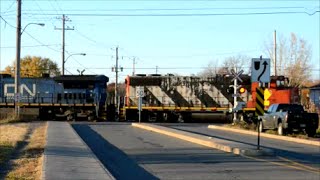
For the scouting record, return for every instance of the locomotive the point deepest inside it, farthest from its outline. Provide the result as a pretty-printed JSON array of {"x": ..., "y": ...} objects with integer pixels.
[
  {"x": 186, "y": 98},
  {"x": 66, "y": 96}
]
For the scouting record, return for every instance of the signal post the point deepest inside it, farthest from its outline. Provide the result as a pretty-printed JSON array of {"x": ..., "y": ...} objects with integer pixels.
[{"x": 260, "y": 72}]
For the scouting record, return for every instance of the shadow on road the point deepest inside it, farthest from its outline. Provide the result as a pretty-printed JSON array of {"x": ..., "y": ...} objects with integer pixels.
[{"x": 116, "y": 161}]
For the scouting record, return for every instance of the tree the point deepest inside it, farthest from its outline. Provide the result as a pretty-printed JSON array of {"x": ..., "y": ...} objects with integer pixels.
[
  {"x": 239, "y": 61},
  {"x": 35, "y": 66},
  {"x": 210, "y": 70},
  {"x": 293, "y": 59}
]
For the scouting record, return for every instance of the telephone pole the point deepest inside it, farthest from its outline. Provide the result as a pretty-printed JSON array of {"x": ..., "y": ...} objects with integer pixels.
[
  {"x": 17, "y": 69},
  {"x": 64, "y": 19},
  {"x": 133, "y": 66},
  {"x": 275, "y": 53},
  {"x": 116, "y": 86}
]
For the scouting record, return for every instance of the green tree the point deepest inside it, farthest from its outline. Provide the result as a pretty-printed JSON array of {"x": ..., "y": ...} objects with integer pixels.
[{"x": 34, "y": 66}]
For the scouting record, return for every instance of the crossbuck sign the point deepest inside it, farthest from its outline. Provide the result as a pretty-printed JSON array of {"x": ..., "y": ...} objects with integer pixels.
[{"x": 236, "y": 75}]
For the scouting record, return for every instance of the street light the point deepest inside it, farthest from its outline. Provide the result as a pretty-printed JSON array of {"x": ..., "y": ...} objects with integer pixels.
[
  {"x": 18, "y": 50},
  {"x": 39, "y": 24},
  {"x": 64, "y": 61}
]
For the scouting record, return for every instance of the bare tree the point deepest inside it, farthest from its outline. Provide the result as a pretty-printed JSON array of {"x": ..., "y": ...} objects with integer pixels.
[
  {"x": 210, "y": 70},
  {"x": 241, "y": 62},
  {"x": 293, "y": 59}
]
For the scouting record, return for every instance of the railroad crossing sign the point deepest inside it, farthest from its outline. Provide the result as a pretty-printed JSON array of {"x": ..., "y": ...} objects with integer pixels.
[
  {"x": 260, "y": 70},
  {"x": 236, "y": 75},
  {"x": 140, "y": 91}
]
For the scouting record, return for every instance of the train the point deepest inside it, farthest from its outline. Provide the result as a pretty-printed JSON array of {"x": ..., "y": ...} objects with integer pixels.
[
  {"x": 170, "y": 98},
  {"x": 166, "y": 98},
  {"x": 67, "y": 96}
]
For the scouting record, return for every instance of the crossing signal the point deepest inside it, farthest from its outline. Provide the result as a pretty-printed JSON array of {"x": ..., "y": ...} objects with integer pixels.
[{"x": 241, "y": 90}]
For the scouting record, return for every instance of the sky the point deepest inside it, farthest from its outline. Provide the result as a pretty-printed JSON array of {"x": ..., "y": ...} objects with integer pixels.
[{"x": 160, "y": 36}]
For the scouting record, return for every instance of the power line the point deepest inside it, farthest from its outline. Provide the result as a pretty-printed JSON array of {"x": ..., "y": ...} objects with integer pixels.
[
  {"x": 25, "y": 46},
  {"x": 41, "y": 42},
  {"x": 182, "y": 9},
  {"x": 181, "y": 0},
  {"x": 86, "y": 37},
  {"x": 7, "y": 22},
  {"x": 43, "y": 11},
  {"x": 30, "y": 36},
  {"x": 181, "y": 14},
  {"x": 58, "y": 6},
  {"x": 7, "y": 10}
]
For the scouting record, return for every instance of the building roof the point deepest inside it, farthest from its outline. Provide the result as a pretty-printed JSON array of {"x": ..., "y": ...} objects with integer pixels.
[{"x": 315, "y": 87}]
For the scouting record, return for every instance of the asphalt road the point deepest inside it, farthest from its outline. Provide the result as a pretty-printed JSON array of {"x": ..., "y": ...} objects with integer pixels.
[
  {"x": 133, "y": 153},
  {"x": 305, "y": 154}
]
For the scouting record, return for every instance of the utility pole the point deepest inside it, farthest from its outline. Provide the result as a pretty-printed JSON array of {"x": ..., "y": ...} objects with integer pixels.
[
  {"x": 275, "y": 53},
  {"x": 133, "y": 66},
  {"x": 64, "y": 19},
  {"x": 235, "y": 102},
  {"x": 156, "y": 69},
  {"x": 17, "y": 70},
  {"x": 116, "y": 85}
]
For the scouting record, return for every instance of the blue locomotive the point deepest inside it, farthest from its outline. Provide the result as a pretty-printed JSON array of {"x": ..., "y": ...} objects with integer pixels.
[{"x": 62, "y": 96}]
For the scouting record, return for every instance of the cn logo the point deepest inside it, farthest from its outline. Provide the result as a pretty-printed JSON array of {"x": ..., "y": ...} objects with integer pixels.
[{"x": 24, "y": 90}]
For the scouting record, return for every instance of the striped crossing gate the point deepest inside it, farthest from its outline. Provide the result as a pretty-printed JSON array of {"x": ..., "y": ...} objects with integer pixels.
[{"x": 259, "y": 101}]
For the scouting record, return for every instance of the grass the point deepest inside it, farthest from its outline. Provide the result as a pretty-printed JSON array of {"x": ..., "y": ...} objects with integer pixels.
[
  {"x": 29, "y": 163},
  {"x": 318, "y": 133},
  {"x": 243, "y": 125},
  {"x": 21, "y": 148},
  {"x": 10, "y": 136}
]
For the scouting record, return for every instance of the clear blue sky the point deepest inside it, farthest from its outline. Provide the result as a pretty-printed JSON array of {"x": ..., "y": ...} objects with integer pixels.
[{"x": 175, "y": 44}]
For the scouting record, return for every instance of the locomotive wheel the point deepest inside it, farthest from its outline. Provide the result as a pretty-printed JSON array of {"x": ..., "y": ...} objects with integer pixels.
[
  {"x": 311, "y": 132},
  {"x": 180, "y": 119},
  {"x": 165, "y": 117}
]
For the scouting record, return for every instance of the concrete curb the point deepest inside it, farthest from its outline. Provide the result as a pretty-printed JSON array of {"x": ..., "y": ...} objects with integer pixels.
[
  {"x": 203, "y": 140},
  {"x": 272, "y": 136}
]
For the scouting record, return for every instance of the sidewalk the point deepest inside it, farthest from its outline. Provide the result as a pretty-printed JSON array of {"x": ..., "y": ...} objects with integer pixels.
[{"x": 66, "y": 156}]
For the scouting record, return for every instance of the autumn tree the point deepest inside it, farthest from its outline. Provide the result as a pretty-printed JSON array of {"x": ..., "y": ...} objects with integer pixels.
[
  {"x": 34, "y": 66},
  {"x": 293, "y": 57}
]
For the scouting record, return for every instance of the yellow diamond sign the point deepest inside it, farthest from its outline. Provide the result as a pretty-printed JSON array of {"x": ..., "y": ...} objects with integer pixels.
[{"x": 267, "y": 93}]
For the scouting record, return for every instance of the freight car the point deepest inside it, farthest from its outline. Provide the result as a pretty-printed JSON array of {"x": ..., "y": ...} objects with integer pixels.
[
  {"x": 185, "y": 98},
  {"x": 58, "y": 97}
]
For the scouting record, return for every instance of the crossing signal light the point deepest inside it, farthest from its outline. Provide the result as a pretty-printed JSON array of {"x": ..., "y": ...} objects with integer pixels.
[{"x": 241, "y": 90}]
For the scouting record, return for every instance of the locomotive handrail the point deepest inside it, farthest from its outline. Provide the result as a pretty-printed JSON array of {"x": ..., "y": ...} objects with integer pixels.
[{"x": 51, "y": 98}]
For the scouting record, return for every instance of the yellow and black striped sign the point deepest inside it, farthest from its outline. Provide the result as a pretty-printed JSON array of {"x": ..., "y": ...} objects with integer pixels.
[{"x": 260, "y": 101}]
